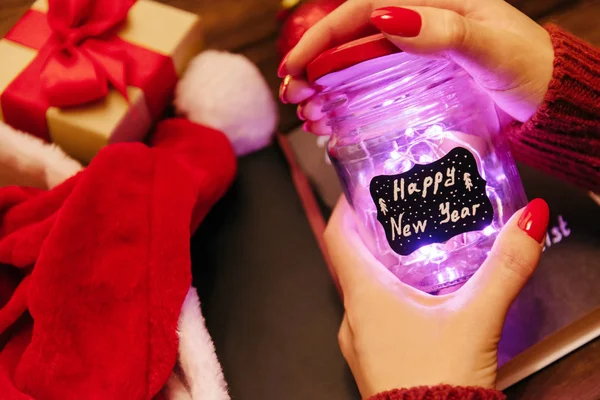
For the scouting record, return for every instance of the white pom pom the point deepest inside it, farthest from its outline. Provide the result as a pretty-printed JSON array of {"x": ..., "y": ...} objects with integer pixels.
[{"x": 227, "y": 92}]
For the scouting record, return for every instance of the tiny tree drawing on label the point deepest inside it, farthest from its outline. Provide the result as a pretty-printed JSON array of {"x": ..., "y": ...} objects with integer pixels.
[
  {"x": 383, "y": 206},
  {"x": 468, "y": 183}
]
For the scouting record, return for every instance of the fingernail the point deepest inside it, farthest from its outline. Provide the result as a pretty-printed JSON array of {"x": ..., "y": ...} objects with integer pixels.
[
  {"x": 283, "y": 89},
  {"x": 397, "y": 21},
  {"x": 534, "y": 220},
  {"x": 282, "y": 70},
  {"x": 299, "y": 111}
]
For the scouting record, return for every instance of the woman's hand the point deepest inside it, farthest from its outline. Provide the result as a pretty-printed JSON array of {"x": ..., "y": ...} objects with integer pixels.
[
  {"x": 508, "y": 54},
  {"x": 394, "y": 336}
]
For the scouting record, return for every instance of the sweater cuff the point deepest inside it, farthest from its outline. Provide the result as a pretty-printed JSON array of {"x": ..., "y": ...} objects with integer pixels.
[
  {"x": 441, "y": 392},
  {"x": 563, "y": 137}
]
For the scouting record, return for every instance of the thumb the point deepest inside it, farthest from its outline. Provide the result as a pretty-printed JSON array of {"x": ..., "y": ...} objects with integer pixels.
[
  {"x": 512, "y": 260},
  {"x": 430, "y": 31},
  {"x": 354, "y": 266}
]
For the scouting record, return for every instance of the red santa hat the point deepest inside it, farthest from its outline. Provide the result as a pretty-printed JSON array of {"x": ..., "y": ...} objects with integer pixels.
[{"x": 62, "y": 231}]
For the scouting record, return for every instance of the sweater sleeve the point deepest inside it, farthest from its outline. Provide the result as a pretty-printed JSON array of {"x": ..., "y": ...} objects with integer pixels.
[
  {"x": 563, "y": 137},
  {"x": 441, "y": 392}
]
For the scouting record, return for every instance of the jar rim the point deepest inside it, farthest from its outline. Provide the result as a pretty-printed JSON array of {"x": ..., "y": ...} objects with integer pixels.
[{"x": 350, "y": 54}]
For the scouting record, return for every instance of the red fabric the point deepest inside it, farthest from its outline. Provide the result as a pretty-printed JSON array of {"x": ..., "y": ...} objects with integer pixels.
[
  {"x": 104, "y": 266},
  {"x": 441, "y": 392},
  {"x": 563, "y": 137},
  {"x": 24, "y": 33},
  {"x": 79, "y": 56},
  {"x": 81, "y": 62}
]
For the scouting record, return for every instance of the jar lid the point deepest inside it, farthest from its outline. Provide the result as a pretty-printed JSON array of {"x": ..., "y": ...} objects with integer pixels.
[{"x": 349, "y": 54}]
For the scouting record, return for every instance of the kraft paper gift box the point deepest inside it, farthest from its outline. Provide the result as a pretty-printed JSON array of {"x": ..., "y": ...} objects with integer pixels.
[{"x": 110, "y": 87}]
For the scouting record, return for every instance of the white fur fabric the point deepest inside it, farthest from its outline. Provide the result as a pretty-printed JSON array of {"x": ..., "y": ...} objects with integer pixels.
[
  {"x": 28, "y": 161},
  {"x": 200, "y": 376},
  {"x": 227, "y": 92}
]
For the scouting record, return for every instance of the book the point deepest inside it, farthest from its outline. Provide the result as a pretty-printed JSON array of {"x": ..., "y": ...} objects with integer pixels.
[{"x": 557, "y": 312}]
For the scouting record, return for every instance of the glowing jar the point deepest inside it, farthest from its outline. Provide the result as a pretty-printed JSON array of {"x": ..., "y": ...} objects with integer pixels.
[{"x": 416, "y": 144}]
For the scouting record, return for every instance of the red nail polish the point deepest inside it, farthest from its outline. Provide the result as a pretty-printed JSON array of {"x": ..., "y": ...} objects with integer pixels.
[
  {"x": 283, "y": 89},
  {"x": 397, "y": 21},
  {"x": 534, "y": 220},
  {"x": 282, "y": 70}
]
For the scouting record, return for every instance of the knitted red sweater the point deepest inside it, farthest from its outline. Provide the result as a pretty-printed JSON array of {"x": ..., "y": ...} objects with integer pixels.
[{"x": 562, "y": 139}]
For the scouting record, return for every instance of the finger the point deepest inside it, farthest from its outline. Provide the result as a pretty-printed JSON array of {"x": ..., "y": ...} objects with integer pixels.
[
  {"x": 431, "y": 31},
  {"x": 319, "y": 128},
  {"x": 512, "y": 260},
  {"x": 424, "y": 30},
  {"x": 294, "y": 90},
  {"x": 312, "y": 108},
  {"x": 347, "y": 22},
  {"x": 498, "y": 59},
  {"x": 353, "y": 264}
]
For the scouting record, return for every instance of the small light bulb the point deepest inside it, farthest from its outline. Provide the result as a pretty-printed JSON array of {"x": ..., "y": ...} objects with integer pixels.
[
  {"x": 389, "y": 166},
  {"x": 434, "y": 130},
  {"x": 489, "y": 230},
  {"x": 433, "y": 253}
]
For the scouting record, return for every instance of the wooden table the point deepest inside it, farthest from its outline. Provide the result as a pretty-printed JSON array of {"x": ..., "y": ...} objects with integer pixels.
[{"x": 249, "y": 27}]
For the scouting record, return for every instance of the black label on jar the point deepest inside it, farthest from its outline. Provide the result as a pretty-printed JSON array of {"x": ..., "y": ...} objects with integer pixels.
[{"x": 432, "y": 203}]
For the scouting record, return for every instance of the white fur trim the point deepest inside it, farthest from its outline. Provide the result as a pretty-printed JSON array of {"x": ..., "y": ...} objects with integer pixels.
[
  {"x": 28, "y": 161},
  {"x": 227, "y": 92},
  {"x": 203, "y": 377}
]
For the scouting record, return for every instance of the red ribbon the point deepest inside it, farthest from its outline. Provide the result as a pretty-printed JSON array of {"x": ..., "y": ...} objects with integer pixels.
[
  {"x": 79, "y": 57},
  {"x": 79, "y": 64}
]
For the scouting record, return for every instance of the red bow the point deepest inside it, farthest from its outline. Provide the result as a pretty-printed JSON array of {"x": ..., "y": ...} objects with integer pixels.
[{"x": 84, "y": 56}]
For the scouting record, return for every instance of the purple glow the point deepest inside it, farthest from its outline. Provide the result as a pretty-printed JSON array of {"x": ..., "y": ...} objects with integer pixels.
[
  {"x": 489, "y": 231},
  {"x": 433, "y": 253},
  {"x": 416, "y": 113},
  {"x": 449, "y": 274},
  {"x": 434, "y": 130},
  {"x": 425, "y": 159},
  {"x": 395, "y": 155}
]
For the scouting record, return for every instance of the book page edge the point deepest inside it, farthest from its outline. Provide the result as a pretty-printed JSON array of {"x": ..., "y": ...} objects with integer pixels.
[{"x": 550, "y": 349}]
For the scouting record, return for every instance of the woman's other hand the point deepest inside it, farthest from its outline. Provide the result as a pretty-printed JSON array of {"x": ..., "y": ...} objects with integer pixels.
[
  {"x": 394, "y": 336},
  {"x": 507, "y": 53}
]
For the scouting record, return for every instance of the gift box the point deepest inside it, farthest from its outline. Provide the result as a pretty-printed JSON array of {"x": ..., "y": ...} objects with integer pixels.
[{"x": 87, "y": 73}]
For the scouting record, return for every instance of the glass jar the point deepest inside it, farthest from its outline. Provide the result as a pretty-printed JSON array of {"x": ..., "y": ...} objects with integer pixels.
[{"x": 416, "y": 145}]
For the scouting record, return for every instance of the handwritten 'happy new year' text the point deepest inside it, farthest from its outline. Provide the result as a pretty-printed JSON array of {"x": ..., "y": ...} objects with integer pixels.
[{"x": 432, "y": 203}]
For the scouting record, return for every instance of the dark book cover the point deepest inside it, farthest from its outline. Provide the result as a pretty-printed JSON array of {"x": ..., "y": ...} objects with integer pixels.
[{"x": 564, "y": 288}]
